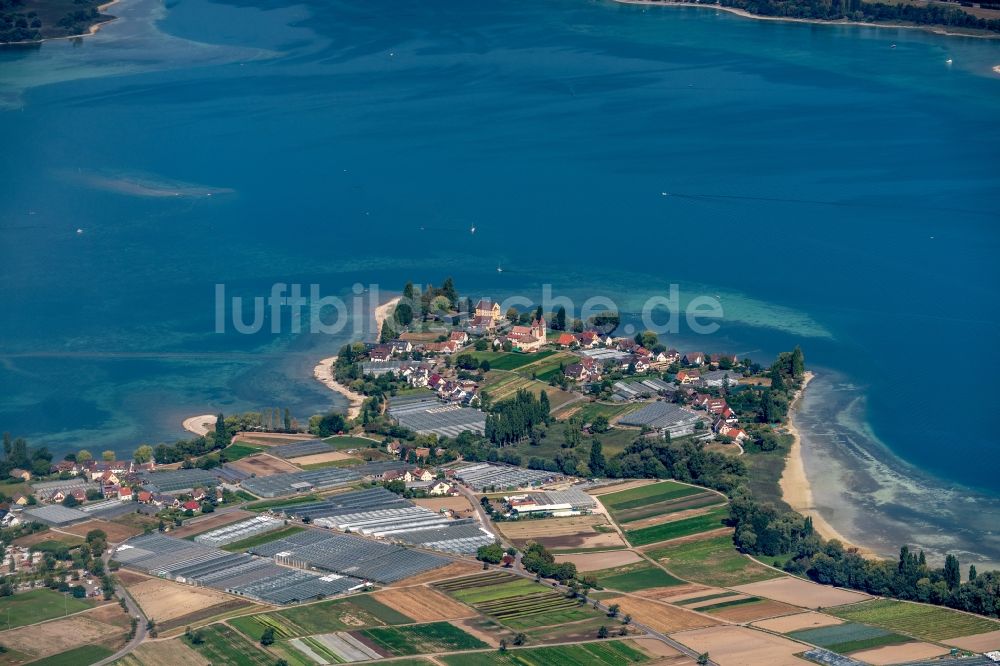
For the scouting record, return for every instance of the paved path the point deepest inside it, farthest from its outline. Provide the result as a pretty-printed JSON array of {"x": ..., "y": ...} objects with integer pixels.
[{"x": 133, "y": 610}]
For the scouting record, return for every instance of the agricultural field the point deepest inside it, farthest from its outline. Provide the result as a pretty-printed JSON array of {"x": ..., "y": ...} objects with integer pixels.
[
  {"x": 651, "y": 500},
  {"x": 344, "y": 442},
  {"x": 355, "y": 612},
  {"x": 575, "y": 533},
  {"x": 741, "y": 646},
  {"x": 258, "y": 539},
  {"x": 588, "y": 411},
  {"x": 418, "y": 639},
  {"x": 163, "y": 653},
  {"x": 264, "y": 465},
  {"x": 582, "y": 630},
  {"x": 596, "y": 561},
  {"x": 456, "y": 568},
  {"x": 705, "y": 522},
  {"x": 801, "y": 593},
  {"x": 423, "y": 604},
  {"x": 165, "y": 600},
  {"x": 85, "y": 654},
  {"x": 849, "y": 637},
  {"x": 279, "y": 503},
  {"x": 658, "y": 616},
  {"x": 240, "y": 450},
  {"x": 515, "y": 602},
  {"x": 47, "y": 536},
  {"x": 733, "y": 606},
  {"x": 931, "y": 623},
  {"x": 711, "y": 561},
  {"x": 798, "y": 621},
  {"x": 508, "y": 360},
  {"x": 605, "y": 653},
  {"x": 99, "y": 627},
  {"x": 634, "y": 577},
  {"x": 222, "y": 645},
  {"x": 207, "y": 522},
  {"x": 38, "y": 605}
]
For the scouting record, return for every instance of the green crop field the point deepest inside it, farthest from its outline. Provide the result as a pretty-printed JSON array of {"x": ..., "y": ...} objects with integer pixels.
[
  {"x": 919, "y": 620},
  {"x": 604, "y": 653},
  {"x": 278, "y": 503},
  {"x": 508, "y": 360},
  {"x": 258, "y": 539},
  {"x": 38, "y": 605},
  {"x": 639, "y": 576},
  {"x": 324, "y": 617},
  {"x": 678, "y": 528},
  {"x": 240, "y": 450},
  {"x": 515, "y": 602},
  {"x": 649, "y": 494},
  {"x": 711, "y": 561},
  {"x": 697, "y": 500},
  {"x": 728, "y": 604},
  {"x": 341, "y": 442},
  {"x": 85, "y": 654},
  {"x": 421, "y": 638},
  {"x": 849, "y": 637},
  {"x": 222, "y": 645}
]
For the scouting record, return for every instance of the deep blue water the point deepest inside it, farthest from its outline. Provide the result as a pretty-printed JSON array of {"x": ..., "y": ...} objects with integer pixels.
[{"x": 834, "y": 191}]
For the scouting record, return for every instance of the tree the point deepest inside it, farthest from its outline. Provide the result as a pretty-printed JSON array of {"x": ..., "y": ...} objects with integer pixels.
[
  {"x": 403, "y": 314},
  {"x": 267, "y": 638},
  {"x": 448, "y": 290},
  {"x": 613, "y": 610},
  {"x": 702, "y": 659},
  {"x": 70, "y": 501},
  {"x": 492, "y": 553},
  {"x": 386, "y": 333},
  {"x": 597, "y": 462},
  {"x": 512, "y": 315},
  {"x": 83, "y": 456},
  {"x": 220, "y": 430},
  {"x": 602, "y": 632},
  {"x": 599, "y": 424},
  {"x": 520, "y": 639},
  {"x": 108, "y": 456},
  {"x": 952, "y": 572},
  {"x": 559, "y": 321},
  {"x": 288, "y": 420},
  {"x": 143, "y": 454},
  {"x": 627, "y": 619},
  {"x": 503, "y": 645},
  {"x": 972, "y": 572}
]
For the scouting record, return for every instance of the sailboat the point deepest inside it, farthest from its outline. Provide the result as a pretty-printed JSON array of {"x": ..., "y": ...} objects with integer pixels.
[{"x": 499, "y": 269}]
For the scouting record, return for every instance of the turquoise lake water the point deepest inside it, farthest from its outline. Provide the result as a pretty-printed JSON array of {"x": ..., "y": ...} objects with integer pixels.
[{"x": 835, "y": 187}]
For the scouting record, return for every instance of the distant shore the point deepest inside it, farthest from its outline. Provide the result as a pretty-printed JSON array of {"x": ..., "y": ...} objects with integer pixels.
[
  {"x": 200, "y": 425},
  {"x": 936, "y": 29},
  {"x": 795, "y": 487},
  {"x": 324, "y": 370}
]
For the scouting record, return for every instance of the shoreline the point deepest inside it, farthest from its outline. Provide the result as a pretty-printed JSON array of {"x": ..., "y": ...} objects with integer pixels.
[
  {"x": 200, "y": 425},
  {"x": 796, "y": 490},
  {"x": 92, "y": 30},
  {"x": 934, "y": 29},
  {"x": 323, "y": 372}
]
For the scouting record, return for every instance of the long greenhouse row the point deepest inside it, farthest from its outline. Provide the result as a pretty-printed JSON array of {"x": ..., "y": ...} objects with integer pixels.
[
  {"x": 236, "y": 573},
  {"x": 239, "y": 531},
  {"x": 380, "y": 513},
  {"x": 481, "y": 476},
  {"x": 349, "y": 556}
]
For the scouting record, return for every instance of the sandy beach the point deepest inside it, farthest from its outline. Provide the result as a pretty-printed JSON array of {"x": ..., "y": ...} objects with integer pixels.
[
  {"x": 323, "y": 372},
  {"x": 200, "y": 425},
  {"x": 937, "y": 30},
  {"x": 795, "y": 488}
]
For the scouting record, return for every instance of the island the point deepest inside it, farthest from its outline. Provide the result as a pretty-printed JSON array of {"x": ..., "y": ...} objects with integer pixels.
[{"x": 506, "y": 486}]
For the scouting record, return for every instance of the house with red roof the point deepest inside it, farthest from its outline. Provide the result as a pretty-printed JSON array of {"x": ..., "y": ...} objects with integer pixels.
[{"x": 566, "y": 340}]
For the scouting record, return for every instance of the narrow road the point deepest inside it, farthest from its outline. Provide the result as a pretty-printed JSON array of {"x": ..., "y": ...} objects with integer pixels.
[{"x": 133, "y": 610}]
